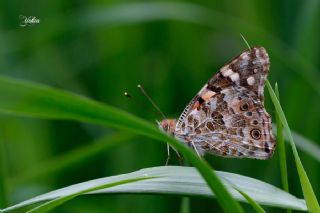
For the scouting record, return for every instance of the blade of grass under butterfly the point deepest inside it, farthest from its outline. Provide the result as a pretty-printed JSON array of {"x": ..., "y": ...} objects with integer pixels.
[
  {"x": 307, "y": 190},
  {"x": 281, "y": 150},
  {"x": 180, "y": 181},
  {"x": 48, "y": 206},
  {"x": 32, "y": 99}
]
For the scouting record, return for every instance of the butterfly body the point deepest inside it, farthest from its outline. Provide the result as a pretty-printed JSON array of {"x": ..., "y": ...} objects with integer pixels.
[{"x": 227, "y": 117}]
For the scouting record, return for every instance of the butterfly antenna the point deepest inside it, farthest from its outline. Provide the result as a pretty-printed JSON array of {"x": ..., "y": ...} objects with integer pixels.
[
  {"x": 127, "y": 95},
  {"x": 137, "y": 104},
  {"x": 245, "y": 41},
  {"x": 151, "y": 101}
]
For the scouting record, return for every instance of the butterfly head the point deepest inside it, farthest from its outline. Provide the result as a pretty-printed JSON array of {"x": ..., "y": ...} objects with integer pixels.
[{"x": 168, "y": 125}]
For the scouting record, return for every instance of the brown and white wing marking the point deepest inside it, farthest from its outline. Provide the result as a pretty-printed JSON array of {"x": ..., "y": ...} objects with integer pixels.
[
  {"x": 227, "y": 117},
  {"x": 249, "y": 70}
]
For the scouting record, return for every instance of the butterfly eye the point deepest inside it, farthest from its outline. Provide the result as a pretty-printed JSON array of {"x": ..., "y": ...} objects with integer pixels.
[
  {"x": 244, "y": 106},
  {"x": 255, "y": 134}
]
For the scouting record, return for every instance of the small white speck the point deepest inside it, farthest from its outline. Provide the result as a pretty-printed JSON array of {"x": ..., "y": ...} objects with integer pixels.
[
  {"x": 206, "y": 96},
  {"x": 226, "y": 72},
  {"x": 234, "y": 77},
  {"x": 245, "y": 56},
  {"x": 250, "y": 80}
]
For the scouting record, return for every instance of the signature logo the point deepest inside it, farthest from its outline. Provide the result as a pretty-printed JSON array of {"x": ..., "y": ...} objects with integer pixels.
[{"x": 27, "y": 21}]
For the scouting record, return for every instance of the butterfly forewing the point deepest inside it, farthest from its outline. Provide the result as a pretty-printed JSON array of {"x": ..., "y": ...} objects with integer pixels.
[{"x": 227, "y": 117}]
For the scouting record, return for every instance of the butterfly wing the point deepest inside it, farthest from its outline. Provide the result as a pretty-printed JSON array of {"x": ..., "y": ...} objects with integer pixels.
[{"x": 227, "y": 117}]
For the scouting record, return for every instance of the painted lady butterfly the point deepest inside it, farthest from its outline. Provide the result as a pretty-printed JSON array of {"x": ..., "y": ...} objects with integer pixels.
[{"x": 227, "y": 117}]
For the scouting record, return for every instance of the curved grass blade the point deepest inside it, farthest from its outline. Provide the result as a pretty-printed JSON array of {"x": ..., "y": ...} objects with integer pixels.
[
  {"x": 31, "y": 99},
  {"x": 253, "y": 203},
  {"x": 48, "y": 206},
  {"x": 307, "y": 190},
  {"x": 281, "y": 149},
  {"x": 178, "y": 180}
]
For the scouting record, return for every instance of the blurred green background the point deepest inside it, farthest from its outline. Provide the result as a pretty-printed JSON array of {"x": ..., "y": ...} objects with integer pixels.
[{"x": 100, "y": 49}]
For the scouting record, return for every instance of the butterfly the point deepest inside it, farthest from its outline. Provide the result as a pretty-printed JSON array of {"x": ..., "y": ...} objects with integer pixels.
[{"x": 227, "y": 117}]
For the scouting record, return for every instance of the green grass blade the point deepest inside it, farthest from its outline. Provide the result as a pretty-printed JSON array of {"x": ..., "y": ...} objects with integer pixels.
[
  {"x": 185, "y": 205},
  {"x": 48, "y": 206},
  {"x": 36, "y": 100},
  {"x": 245, "y": 41},
  {"x": 307, "y": 190},
  {"x": 282, "y": 150},
  {"x": 182, "y": 181},
  {"x": 253, "y": 203}
]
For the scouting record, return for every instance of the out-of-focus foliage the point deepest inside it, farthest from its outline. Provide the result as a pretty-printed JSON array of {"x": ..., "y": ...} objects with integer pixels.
[{"x": 102, "y": 48}]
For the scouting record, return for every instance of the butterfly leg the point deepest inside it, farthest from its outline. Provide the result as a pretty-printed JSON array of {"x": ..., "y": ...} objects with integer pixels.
[
  {"x": 168, "y": 154},
  {"x": 168, "y": 158},
  {"x": 179, "y": 157}
]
